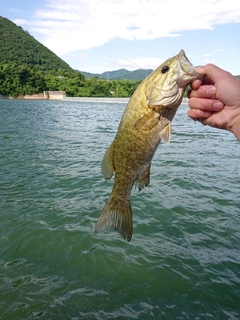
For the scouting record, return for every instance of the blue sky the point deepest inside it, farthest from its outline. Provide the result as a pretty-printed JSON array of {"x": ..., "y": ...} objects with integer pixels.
[{"x": 105, "y": 35}]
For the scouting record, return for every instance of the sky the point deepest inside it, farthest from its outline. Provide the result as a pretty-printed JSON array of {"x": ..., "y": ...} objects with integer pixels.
[{"x": 105, "y": 35}]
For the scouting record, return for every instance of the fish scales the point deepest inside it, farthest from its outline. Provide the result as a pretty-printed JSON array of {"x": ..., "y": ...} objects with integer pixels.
[{"x": 145, "y": 122}]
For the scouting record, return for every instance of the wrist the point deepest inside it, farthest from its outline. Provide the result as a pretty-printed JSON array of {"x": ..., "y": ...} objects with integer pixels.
[{"x": 235, "y": 127}]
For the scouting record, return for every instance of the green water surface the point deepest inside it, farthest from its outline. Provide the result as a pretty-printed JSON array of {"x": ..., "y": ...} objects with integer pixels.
[{"x": 184, "y": 258}]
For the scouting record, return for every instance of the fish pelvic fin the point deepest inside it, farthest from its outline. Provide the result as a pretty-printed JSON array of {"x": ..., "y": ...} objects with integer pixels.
[
  {"x": 144, "y": 179},
  {"x": 107, "y": 163},
  {"x": 116, "y": 215},
  {"x": 165, "y": 134}
]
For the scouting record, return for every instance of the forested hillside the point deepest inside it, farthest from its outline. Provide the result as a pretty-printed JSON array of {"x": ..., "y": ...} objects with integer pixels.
[
  {"x": 19, "y": 80},
  {"x": 121, "y": 74},
  {"x": 19, "y": 47},
  {"x": 28, "y": 67}
]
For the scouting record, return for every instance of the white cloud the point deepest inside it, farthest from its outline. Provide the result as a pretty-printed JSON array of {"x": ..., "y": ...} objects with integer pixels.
[
  {"x": 20, "y": 22},
  {"x": 66, "y": 26},
  {"x": 140, "y": 63}
]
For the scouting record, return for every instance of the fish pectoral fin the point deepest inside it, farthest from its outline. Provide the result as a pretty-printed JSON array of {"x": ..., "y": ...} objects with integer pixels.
[
  {"x": 144, "y": 179},
  {"x": 116, "y": 215},
  {"x": 107, "y": 163},
  {"x": 165, "y": 134},
  {"x": 148, "y": 121}
]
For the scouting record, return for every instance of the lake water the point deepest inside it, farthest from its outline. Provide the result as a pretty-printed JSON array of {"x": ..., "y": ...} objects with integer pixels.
[{"x": 184, "y": 258}]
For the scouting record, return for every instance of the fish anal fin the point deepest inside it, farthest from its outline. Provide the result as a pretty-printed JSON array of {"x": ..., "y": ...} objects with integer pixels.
[
  {"x": 107, "y": 163},
  {"x": 116, "y": 215},
  {"x": 148, "y": 121},
  {"x": 165, "y": 134},
  {"x": 144, "y": 179}
]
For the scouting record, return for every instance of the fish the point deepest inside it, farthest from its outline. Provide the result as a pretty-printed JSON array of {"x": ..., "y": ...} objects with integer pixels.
[{"x": 145, "y": 122}]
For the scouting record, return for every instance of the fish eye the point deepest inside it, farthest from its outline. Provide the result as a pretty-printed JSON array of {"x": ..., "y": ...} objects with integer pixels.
[{"x": 165, "y": 69}]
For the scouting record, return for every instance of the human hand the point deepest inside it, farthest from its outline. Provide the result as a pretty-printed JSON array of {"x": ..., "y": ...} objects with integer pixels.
[{"x": 215, "y": 100}]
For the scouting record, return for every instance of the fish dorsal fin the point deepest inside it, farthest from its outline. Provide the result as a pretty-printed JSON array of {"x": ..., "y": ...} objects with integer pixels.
[
  {"x": 148, "y": 121},
  {"x": 107, "y": 163},
  {"x": 165, "y": 134}
]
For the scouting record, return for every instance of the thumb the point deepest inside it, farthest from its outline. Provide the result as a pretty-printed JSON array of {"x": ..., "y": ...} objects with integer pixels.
[{"x": 213, "y": 72}]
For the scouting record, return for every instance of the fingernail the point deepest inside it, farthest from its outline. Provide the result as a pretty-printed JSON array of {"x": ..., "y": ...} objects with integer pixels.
[
  {"x": 211, "y": 90},
  {"x": 218, "y": 105}
]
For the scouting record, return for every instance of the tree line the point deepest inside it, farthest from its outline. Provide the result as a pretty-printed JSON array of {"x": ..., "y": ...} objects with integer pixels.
[{"x": 21, "y": 79}]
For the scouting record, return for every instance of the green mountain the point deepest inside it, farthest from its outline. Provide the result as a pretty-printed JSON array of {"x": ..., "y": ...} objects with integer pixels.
[
  {"x": 20, "y": 48},
  {"x": 121, "y": 74},
  {"x": 27, "y": 67}
]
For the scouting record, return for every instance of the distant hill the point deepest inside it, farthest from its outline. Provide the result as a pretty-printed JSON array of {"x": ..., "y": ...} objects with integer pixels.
[
  {"x": 121, "y": 74},
  {"x": 19, "y": 47}
]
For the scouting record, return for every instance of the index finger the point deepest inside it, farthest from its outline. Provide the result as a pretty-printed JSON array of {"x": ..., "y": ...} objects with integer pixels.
[
  {"x": 196, "y": 84},
  {"x": 204, "y": 91}
]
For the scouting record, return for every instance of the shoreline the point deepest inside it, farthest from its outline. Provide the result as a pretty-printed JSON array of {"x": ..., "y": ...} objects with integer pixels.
[
  {"x": 106, "y": 100},
  {"x": 95, "y": 99},
  {"x": 79, "y": 99}
]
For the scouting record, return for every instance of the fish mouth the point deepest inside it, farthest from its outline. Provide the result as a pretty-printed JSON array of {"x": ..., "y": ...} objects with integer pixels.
[{"x": 188, "y": 68}]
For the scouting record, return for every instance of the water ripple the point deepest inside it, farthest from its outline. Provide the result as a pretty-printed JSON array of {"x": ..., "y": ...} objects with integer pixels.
[{"x": 183, "y": 261}]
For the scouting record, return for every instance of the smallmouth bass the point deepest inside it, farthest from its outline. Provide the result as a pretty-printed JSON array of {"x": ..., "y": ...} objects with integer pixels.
[{"x": 145, "y": 122}]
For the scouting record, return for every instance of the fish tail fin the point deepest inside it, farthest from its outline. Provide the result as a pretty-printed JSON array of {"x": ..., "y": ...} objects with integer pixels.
[{"x": 117, "y": 214}]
